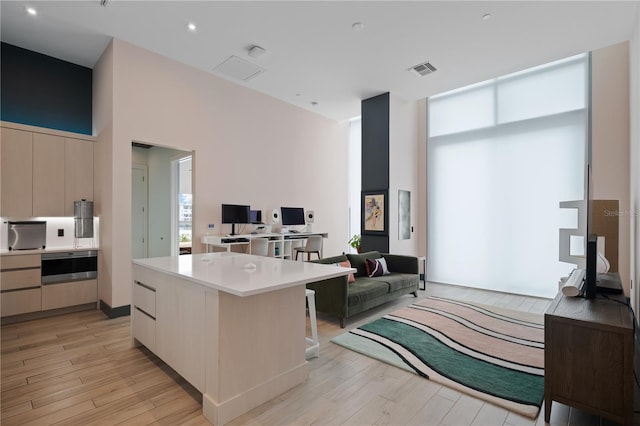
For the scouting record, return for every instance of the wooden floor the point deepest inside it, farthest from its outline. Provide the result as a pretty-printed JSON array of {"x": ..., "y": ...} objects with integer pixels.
[{"x": 80, "y": 369}]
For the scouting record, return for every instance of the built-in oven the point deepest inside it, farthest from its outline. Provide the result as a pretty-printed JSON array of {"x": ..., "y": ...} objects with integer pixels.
[{"x": 69, "y": 266}]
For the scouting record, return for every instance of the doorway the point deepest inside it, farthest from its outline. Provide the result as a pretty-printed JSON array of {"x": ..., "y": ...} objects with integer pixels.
[{"x": 154, "y": 205}]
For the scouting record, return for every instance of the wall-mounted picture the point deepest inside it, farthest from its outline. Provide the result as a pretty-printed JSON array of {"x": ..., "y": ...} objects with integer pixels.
[
  {"x": 404, "y": 214},
  {"x": 374, "y": 212}
]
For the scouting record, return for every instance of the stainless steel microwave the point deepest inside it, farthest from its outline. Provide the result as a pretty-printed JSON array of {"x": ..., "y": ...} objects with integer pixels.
[{"x": 27, "y": 235}]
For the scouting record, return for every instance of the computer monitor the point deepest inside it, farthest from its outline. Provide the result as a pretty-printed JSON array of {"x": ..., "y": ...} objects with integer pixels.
[
  {"x": 235, "y": 213},
  {"x": 255, "y": 217},
  {"x": 292, "y": 216}
]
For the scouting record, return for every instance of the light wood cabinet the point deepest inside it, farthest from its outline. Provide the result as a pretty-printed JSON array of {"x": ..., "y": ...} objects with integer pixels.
[
  {"x": 48, "y": 175},
  {"x": 44, "y": 171},
  {"x": 169, "y": 319},
  {"x": 17, "y": 173},
  {"x": 20, "y": 284},
  {"x": 78, "y": 168},
  {"x": 73, "y": 293}
]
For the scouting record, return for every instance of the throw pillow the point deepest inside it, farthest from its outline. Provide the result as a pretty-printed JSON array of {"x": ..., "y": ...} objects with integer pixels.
[
  {"x": 347, "y": 264},
  {"x": 358, "y": 261},
  {"x": 377, "y": 267}
]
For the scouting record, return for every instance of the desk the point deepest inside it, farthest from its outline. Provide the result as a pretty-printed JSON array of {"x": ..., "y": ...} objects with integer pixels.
[
  {"x": 236, "y": 333},
  {"x": 588, "y": 354},
  {"x": 280, "y": 245}
]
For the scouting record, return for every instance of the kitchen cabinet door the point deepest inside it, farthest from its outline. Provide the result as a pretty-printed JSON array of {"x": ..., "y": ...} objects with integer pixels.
[
  {"x": 48, "y": 175},
  {"x": 78, "y": 173},
  {"x": 16, "y": 163}
]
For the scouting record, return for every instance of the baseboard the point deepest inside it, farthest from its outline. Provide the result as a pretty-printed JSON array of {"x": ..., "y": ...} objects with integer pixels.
[
  {"x": 49, "y": 313},
  {"x": 120, "y": 311}
]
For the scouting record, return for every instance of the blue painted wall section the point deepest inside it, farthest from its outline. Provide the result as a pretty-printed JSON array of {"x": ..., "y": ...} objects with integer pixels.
[{"x": 43, "y": 91}]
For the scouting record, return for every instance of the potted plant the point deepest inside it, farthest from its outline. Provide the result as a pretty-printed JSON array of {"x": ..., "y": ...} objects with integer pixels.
[{"x": 355, "y": 242}]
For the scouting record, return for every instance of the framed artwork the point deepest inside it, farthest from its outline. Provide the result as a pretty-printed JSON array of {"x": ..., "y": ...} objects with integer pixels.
[
  {"x": 374, "y": 212},
  {"x": 404, "y": 214}
]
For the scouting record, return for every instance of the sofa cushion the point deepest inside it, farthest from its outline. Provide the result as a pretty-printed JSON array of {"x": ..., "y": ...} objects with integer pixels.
[
  {"x": 397, "y": 281},
  {"x": 365, "y": 289},
  {"x": 358, "y": 261},
  {"x": 376, "y": 267}
]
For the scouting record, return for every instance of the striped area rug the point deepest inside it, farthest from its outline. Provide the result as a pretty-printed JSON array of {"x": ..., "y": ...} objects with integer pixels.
[{"x": 493, "y": 354}]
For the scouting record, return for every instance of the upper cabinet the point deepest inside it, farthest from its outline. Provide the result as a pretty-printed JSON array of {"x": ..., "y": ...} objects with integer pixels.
[
  {"x": 78, "y": 169},
  {"x": 17, "y": 173},
  {"x": 43, "y": 173},
  {"x": 48, "y": 175}
]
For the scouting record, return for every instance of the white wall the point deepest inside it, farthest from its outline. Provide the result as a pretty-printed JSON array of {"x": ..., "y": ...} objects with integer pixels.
[
  {"x": 103, "y": 91},
  {"x": 634, "y": 160},
  {"x": 403, "y": 169},
  {"x": 610, "y": 139},
  {"x": 248, "y": 148}
]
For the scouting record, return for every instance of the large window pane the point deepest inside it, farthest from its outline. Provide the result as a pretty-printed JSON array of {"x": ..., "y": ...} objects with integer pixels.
[
  {"x": 542, "y": 93},
  {"x": 469, "y": 109},
  {"x": 494, "y": 193}
]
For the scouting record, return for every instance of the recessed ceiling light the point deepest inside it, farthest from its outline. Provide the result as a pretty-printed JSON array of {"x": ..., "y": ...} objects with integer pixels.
[
  {"x": 191, "y": 26},
  {"x": 357, "y": 26},
  {"x": 31, "y": 11},
  {"x": 486, "y": 16}
]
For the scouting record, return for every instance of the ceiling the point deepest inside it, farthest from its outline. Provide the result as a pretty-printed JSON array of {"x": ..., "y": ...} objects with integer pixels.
[{"x": 312, "y": 52}]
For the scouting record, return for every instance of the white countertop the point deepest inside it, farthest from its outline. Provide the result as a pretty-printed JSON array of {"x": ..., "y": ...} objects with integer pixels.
[
  {"x": 46, "y": 250},
  {"x": 242, "y": 274}
]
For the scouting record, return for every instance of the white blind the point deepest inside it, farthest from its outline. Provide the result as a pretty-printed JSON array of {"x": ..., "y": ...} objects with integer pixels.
[{"x": 498, "y": 166}]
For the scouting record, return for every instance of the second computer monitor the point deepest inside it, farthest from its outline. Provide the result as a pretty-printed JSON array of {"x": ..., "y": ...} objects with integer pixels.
[{"x": 292, "y": 216}]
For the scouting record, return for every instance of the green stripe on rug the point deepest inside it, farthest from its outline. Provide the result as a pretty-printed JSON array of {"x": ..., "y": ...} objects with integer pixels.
[{"x": 474, "y": 373}]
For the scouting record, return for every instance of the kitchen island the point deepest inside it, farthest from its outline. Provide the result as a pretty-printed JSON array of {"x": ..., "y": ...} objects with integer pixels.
[{"x": 233, "y": 325}]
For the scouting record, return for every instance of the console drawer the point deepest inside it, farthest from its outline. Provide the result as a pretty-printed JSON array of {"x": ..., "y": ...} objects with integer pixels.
[
  {"x": 144, "y": 329},
  {"x": 20, "y": 278},
  {"x": 20, "y": 302},
  {"x": 69, "y": 294},
  {"x": 144, "y": 298},
  {"x": 20, "y": 261}
]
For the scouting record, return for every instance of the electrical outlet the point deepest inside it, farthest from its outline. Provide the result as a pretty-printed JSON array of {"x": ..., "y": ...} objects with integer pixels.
[
  {"x": 60, "y": 232},
  {"x": 212, "y": 225}
]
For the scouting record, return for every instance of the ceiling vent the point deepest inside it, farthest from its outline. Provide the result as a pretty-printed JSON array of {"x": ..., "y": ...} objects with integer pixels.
[
  {"x": 424, "y": 69},
  {"x": 239, "y": 69}
]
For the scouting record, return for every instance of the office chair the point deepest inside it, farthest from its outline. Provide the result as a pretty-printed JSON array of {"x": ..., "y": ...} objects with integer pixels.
[{"x": 313, "y": 245}]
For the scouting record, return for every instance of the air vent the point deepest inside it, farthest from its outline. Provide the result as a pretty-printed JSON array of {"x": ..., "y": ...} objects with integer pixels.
[
  {"x": 239, "y": 68},
  {"x": 423, "y": 69}
]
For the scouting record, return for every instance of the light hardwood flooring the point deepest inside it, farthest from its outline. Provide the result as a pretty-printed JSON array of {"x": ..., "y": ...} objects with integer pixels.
[{"x": 80, "y": 369}]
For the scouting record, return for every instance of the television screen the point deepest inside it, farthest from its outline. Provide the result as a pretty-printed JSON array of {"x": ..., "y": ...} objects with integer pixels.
[
  {"x": 255, "y": 217},
  {"x": 235, "y": 213},
  {"x": 292, "y": 216}
]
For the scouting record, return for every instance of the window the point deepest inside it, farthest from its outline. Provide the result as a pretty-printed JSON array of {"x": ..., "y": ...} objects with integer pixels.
[{"x": 502, "y": 154}]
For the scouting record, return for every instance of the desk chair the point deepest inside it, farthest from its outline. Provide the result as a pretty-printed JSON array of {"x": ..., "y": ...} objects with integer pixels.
[
  {"x": 260, "y": 246},
  {"x": 313, "y": 245}
]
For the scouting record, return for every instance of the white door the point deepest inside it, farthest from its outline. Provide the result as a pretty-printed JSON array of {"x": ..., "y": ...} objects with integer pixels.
[{"x": 139, "y": 211}]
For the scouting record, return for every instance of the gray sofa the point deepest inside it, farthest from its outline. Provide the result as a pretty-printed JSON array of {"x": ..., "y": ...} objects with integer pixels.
[{"x": 338, "y": 296}]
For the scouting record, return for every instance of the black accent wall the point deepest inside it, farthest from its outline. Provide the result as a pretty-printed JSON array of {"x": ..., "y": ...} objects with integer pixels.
[
  {"x": 43, "y": 91},
  {"x": 375, "y": 159}
]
